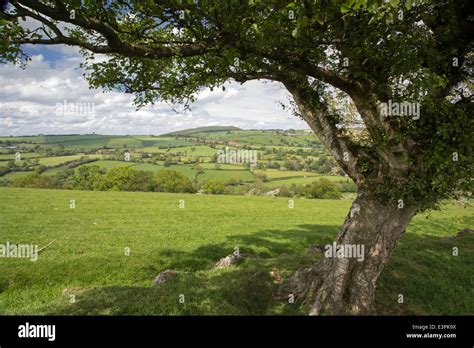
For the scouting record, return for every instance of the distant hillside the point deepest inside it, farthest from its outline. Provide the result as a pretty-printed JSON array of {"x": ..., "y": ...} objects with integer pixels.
[{"x": 202, "y": 130}]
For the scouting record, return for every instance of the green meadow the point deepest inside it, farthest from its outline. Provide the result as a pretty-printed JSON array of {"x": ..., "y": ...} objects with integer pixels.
[{"x": 110, "y": 247}]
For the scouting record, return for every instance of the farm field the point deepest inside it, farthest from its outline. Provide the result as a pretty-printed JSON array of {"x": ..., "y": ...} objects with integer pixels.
[
  {"x": 88, "y": 257},
  {"x": 108, "y": 164},
  {"x": 11, "y": 156},
  {"x": 278, "y": 174},
  {"x": 192, "y": 150},
  {"x": 227, "y": 175},
  {"x": 302, "y": 180},
  {"x": 14, "y": 175},
  {"x": 194, "y": 153},
  {"x": 54, "y": 161}
]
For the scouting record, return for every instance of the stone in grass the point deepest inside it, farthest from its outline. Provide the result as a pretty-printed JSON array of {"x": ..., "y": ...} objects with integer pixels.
[
  {"x": 227, "y": 261},
  {"x": 273, "y": 193},
  {"x": 460, "y": 234},
  {"x": 164, "y": 276}
]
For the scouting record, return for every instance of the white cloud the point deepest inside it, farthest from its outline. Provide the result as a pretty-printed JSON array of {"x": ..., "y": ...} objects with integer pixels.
[{"x": 28, "y": 100}]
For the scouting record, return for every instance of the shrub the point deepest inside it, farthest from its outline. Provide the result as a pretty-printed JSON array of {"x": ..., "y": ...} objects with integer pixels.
[
  {"x": 323, "y": 189},
  {"x": 34, "y": 180},
  {"x": 140, "y": 180},
  {"x": 63, "y": 179},
  {"x": 262, "y": 176},
  {"x": 168, "y": 180},
  {"x": 116, "y": 179},
  {"x": 213, "y": 186},
  {"x": 235, "y": 190},
  {"x": 347, "y": 186},
  {"x": 87, "y": 178},
  {"x": 285, "y": 192}
]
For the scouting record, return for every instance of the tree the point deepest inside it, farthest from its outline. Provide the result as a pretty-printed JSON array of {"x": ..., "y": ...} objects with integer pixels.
[
  {"x": 323, "y": 189},
  {"x": 168, "y": 180},
  {"x": 213, "y": 186},
  {"x": 405, "y": 68},
  {"x": 88, "y": 178},
  {"x": 117, "y": 179},
  {"x": 34, "y": 180}
]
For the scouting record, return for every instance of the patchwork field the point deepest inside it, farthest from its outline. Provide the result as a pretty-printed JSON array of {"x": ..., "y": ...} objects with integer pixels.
[{"x": 88, "y": 258}]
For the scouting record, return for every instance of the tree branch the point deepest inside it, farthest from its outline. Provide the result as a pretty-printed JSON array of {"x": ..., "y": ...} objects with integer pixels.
[
  {"x": 344, "y": 150},
  {"x": 114, "y": 43}
]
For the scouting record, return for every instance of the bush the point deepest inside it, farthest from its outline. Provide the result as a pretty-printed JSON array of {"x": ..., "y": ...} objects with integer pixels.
[
  {"x": 235, "y": 190},
  {"x": 213, "y": 186},
  {"x": 88, "y": 178},
  {"x": 140, "y": 180},
  {"x": 34, "y": 180},
  {"x": 347, "y": 186},
  {"x": 116, "y": 179},
  {"x": 168, "y": 180},
  {"x": 63, "y": 179},
  {"x": 262, "y": 176},
  {"x": 323, "y": 189},
  {"x": 285, "y": 192}
]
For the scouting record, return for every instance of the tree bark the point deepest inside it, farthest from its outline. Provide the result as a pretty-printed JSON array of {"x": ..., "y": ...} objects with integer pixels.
[{"x": 346, "y": 285}]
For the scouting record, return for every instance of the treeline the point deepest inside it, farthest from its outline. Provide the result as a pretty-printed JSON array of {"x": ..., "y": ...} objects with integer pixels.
[
  {"x": 95, "y": 178},
  {"x": 32, "y": 164}
]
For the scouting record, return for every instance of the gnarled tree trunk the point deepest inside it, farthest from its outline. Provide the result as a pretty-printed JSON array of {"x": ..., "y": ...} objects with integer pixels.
[{"x": 346, "y": 285}]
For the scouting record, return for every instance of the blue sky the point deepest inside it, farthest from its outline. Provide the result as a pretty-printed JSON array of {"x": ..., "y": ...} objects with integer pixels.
[{"x": 30, "y": 102}]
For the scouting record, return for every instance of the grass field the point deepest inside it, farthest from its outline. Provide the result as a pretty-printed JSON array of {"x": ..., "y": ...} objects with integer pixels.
[
  {"x": 302, "y": 181},
  {"x": 88, "y": 259},
  {"x": 150, "y": 142},
  {"x": 227, "y": 175},
  {"x": 192, "y": 150},
  {"x": 125, "y": 142},
  {"x": 54, "y": 161},
  {"x": 14, "y": 175},
  {"x": 24, "y": 155},
  {"x": 225, "y": 166},
  {"x": 258, "y": 138},
  {"x": 148, "y": 167},
  {"x": 109, "y": 164},
  {"x": 278, "y": 174}
]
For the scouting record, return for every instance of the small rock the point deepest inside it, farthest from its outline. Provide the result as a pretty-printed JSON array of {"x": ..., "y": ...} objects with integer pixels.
[
  {"x": 273, "y": 193},
  {"x": 227, "y": 261},
  {"x": 253, "y": 192},
  {"x": 464, "y": 232},
  {"x": 164, "y": 276},
  {"x": 460, "y": 234}
]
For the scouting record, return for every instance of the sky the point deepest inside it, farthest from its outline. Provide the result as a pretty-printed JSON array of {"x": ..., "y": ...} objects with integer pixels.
[{"x": 51, "y": 97}]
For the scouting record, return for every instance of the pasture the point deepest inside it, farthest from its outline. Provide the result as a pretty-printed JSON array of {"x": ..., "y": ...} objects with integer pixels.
[{"x": 89, "y": 258}]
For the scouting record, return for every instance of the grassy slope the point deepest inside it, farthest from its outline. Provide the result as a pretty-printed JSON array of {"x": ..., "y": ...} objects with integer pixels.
[
  {"x": 302, "y": 181},
  {"x": 224, "y": 175},
  {"x": 11, "y": 156},
  {"x": 278, "y": 174},
  {"x": 108, "y": 164},
  {"x": 88, "y": 256}
]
